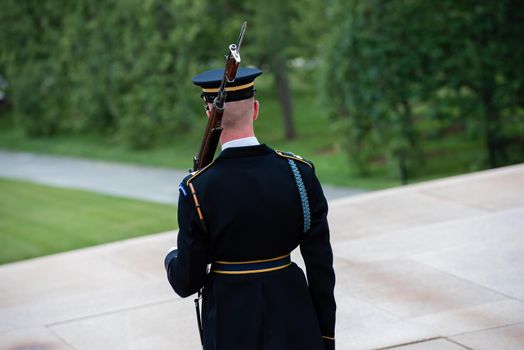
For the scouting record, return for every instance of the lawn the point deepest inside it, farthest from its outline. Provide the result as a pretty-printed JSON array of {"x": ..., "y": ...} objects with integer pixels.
[
  {"x": 315, "y": 142},
  {"x": 318, "y": 140},
  {"x": 37, "y": 220}
]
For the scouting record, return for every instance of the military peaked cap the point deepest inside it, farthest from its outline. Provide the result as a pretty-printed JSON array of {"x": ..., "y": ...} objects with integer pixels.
[{"x": 242, "y": 88}]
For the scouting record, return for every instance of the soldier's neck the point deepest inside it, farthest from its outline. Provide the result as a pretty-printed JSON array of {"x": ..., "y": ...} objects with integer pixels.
[{"x": 230, "y": 135}]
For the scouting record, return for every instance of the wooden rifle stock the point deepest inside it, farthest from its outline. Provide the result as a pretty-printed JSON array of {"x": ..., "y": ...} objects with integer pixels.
[
  {"x": 210, "y": 140},
  {"x": 214, "y": 124}
]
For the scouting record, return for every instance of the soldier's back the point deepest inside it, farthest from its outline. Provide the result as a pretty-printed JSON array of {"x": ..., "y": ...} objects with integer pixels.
[
  {"x": 254, "y": 212},
  {"x": 251, "y": 203}
]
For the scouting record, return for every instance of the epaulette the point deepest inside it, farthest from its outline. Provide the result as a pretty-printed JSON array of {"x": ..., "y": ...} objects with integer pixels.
[
  {"x": 194, "y": 174},
  {"x": 295, "y": 157}
]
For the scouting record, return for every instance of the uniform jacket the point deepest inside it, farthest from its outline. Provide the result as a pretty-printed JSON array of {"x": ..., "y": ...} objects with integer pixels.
[{"x": 253, "y": 210}]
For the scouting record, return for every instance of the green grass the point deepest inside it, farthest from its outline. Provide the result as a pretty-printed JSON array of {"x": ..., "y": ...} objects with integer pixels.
[
  {"x": 37, "y": 220},
  {"x": 318, "y": 140}
]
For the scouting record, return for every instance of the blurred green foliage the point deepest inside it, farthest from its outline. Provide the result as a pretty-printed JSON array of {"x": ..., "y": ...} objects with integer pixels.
[
  {"x": 116, "y": 66},
  {"x": 394, "y": 76},
  {"x": 394, "y": 66}
]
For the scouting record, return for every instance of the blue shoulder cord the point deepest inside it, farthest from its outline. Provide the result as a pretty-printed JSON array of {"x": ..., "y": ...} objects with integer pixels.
[{"x": 303, "y": 194}]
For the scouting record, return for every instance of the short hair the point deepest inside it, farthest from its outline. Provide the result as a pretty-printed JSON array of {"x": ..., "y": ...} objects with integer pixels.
[{"x": 238, "y": 113}]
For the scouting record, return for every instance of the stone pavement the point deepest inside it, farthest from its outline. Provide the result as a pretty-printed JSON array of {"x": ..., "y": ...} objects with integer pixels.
[
  {"x": 430, "y": 266},
  {"x": 133, "y": 181}
]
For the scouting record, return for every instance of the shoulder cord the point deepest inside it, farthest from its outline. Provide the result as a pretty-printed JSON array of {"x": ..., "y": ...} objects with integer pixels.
[{"x": 303, "y": 194}]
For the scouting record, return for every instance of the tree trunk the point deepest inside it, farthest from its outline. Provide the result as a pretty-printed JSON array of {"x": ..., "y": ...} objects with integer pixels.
[
  {"x": 408, "y": 126},
  {"x": 285, "y": 99},
  {"x": 495, "y": 144},
  {"x": 402, "y": 168},
  {"x": 407, "y": 132}
]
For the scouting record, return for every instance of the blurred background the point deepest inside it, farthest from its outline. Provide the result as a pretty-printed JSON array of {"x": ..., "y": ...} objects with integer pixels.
[{"x": 376, "y": 93}]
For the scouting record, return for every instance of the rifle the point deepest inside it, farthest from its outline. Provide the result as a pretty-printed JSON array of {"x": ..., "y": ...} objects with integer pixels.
[
  {"x": 212, "y": 135},
  {"x": 214, "y": 124}
]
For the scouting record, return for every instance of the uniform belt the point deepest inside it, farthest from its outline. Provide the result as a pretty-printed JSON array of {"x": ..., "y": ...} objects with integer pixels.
[{"x": 253, "y": 266}]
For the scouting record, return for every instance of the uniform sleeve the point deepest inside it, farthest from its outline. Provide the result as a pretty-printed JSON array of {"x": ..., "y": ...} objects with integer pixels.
[
  {"x": 187, "y": 266},
  {"x": 318, "y": 257}
]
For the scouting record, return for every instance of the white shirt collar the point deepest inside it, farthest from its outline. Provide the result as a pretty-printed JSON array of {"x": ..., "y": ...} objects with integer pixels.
[{"x": 246, "y": 141}]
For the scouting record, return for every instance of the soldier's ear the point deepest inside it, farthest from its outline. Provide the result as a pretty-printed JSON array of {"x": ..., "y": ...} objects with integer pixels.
[
  {"x": 255, "y": 110},
  {"x": 208, "y": 109}
]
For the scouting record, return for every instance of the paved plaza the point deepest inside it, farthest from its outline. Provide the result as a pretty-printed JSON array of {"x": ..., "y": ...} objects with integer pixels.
[{"x": 431, "y": 266}]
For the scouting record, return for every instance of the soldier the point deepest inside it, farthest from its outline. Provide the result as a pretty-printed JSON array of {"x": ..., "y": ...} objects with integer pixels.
[{"x": 259, "y": 205}]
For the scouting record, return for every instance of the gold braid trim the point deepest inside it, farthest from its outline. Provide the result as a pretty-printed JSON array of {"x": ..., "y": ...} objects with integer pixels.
[
  {"x": 194, "y": 195},
  {"x": 294, "y": 157},
  {"x": 198, "y": 172},
  {"x": 251, "y": 261},
  {"x": 230, "y": 88}
]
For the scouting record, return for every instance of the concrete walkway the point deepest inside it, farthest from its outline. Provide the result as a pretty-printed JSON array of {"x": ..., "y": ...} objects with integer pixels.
[
  {"x": 139, "y": 182},
  {"x": 431, "y": 266}
]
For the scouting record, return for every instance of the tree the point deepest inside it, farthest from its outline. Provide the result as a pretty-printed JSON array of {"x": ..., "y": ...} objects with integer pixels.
[
  {"x": 481, "y": 59},
  {"x": 375, "y": 70},
  {"x": 118, "y": 68},
  {"x": 389, "y": 56},
  {"x": 271, "y": 38},
  {"x": 33, "y": 64}
]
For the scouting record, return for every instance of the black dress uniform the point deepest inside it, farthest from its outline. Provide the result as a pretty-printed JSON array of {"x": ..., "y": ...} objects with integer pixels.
[{"x": 258, "y": 205}]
